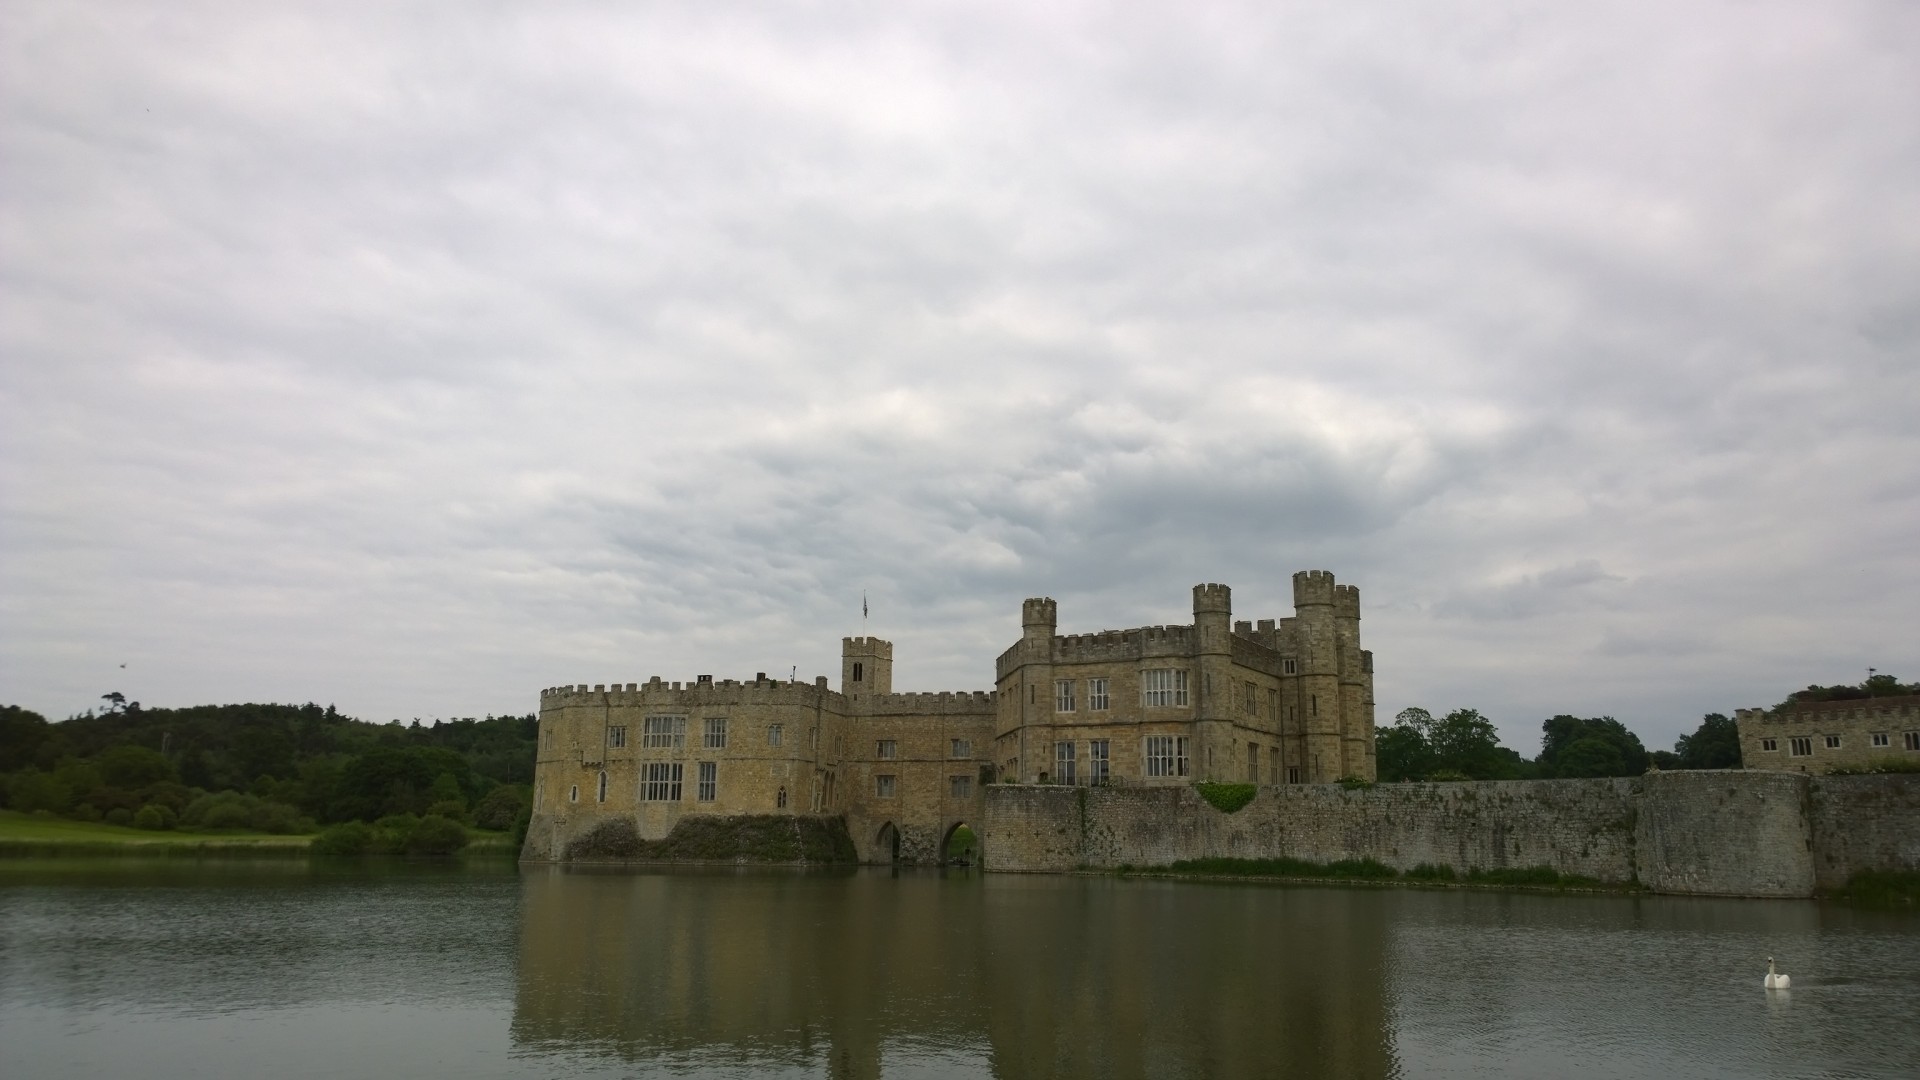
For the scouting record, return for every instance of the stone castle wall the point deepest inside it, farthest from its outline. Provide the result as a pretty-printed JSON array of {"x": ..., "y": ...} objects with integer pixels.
[{"x": 1705, "y": 833}]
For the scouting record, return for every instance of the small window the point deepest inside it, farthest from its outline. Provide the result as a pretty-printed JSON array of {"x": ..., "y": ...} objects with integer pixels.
[
  {"x": 1099, "y": 754},
  {"x": 1252, "y": 700},
  {"x": 960, "y": 787},
  {"x": 1253, "y": 763},
  {"x": 617, "y": 736},
  {"x": 883, "y": 786},
  {"x": 960, "y": 748},
  {"x": 1063, "y": 763},
  {"x": 1911, "y": 740},
  {"x": 1063, "y": 695},
  {"x": 1273, "y": 704},
  {"x": 602, "y": 797},
  {"x": 1314, "y": 700},
  {"x": 546, "y": 738},
  {"x": 1879, "y": 738},
  {"x": 1769, "y": 744},
  {"x": 780, "y": 799},
  {"x": 573, "y": 793},
  {"x": 774, "y": 734},
  {"x": 857, "y": 671},
  {"x": 886, "y": 749},
  {"x": 1097, "y": 695},
  {"x": 1289, "y": 667},
  {"x": 1802, "y": 745},
  {"x": 709, "y": 781},
  {"x": 1833, "y": 742},
  {"x": 1293, "y": 774},
  {"x": 714, "y": 737},
  {"x": 662, "y": 782}
]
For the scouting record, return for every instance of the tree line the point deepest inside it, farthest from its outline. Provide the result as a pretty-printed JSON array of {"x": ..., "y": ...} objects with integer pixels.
[
  {"x": 1464, "y": 745},
  {"x": 270, "y": 768}
]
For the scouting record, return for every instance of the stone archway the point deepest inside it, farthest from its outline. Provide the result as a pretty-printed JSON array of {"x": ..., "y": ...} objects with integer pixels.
[
  {"x": 960, "y": 846},
  {"x": 887, "y": 844}
]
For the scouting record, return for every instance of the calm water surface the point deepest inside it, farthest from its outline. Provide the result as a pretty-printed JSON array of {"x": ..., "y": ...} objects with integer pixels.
[{"x": 223, "y": 970}]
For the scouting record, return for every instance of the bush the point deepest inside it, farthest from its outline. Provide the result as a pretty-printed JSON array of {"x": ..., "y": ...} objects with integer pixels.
[
  {"x": 152, "y": 818},
  {"x": 87, "y": 812},
  {"x": 120, "y": 815},
  {"x": 436, "y": 835},
  {"x": 500, "y": 808},
  {"x": 451, "y": 809},
  {"x": 1879, "y": 765},
  {"x": 1884, "y": 888},
  {"x": 1227, "y": 798},
  {"x": 233, "y": 810},
  {"x": 351, "y": 838},
  {"x": 1447, "y": 776},
  {"x": 1430, "y": 872},
  {"x": 36, "y": 792},
  {"x": 1354, "y": 783}
]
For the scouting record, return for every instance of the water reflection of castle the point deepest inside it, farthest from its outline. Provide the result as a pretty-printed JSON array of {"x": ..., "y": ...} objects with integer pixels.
[{"x": 1013, "y": 976}]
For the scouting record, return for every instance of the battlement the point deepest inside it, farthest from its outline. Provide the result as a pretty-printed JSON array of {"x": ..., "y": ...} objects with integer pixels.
[
  {"x": 939, "y": 703},
  {"x": 1039, "y": 611},
  {"x": 1889, "y": 710},
  {"x": 867, "y": 646},
  {"x": 1346, "y": 602},
  {"x": 1313, "y": 588},
  {"x": 657, "y": 691},
  {"x": 1212, "y": 597}
]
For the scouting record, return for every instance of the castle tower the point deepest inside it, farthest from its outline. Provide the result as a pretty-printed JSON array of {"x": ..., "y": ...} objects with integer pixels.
[
  {"x": 1039, "y": 620},
  {"x": 866, "y": 667},
  {"x": 1213, "y": 749},
  {"x": 1313, "y": 592},
  {"x": 1356, "y": 686}
]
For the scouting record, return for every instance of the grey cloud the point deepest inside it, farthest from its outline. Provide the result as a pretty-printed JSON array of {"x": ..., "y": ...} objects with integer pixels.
[{"x": 416, "y": 361}]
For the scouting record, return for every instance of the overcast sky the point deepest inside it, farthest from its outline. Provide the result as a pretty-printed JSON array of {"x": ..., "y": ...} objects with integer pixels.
[{"x": 413, "y": 358}]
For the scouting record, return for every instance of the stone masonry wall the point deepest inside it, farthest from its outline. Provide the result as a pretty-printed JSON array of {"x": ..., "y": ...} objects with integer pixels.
[
  {"x": 1863, "y": 823},
  {"x": 1730, "y": 833}
]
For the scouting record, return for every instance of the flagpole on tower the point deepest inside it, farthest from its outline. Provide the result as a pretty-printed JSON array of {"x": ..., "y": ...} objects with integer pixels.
[{"x": 863, "y": 612}]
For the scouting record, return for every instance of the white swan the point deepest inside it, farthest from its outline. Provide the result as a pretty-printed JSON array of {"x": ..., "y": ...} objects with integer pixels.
[{"x": 1775, "y": 980}]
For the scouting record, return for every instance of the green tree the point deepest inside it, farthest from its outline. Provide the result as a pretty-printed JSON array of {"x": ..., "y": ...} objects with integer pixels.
[
  {"x": 130, "y": 767},
  {"x": 1401, "y": 753},
  {"x": 1715, "y": 744},
  {"x": 1562, "y": 733},
  {"x": 22, "y": 731}
]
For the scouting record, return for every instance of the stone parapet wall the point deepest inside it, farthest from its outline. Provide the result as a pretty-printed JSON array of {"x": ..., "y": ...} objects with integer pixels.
[{"x": 1731, "y": 833}]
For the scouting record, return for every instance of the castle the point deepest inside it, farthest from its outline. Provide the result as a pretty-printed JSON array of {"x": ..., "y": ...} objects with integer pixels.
[
  {"x": 1277, "y": 702},
  {"x": 1821, "y": 736}
]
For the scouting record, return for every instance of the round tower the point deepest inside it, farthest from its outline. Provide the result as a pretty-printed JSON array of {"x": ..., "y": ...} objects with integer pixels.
[{"x": 1213, "y": 743}]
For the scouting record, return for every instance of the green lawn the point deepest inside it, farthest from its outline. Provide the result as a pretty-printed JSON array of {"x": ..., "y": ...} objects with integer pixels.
[
  {"x": 21, "y": 834},
  {"x": 15, "y": 826}
]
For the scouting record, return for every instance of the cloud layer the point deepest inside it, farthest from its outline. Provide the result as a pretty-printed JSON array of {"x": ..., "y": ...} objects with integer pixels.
[{"x": 419, "y": 358}]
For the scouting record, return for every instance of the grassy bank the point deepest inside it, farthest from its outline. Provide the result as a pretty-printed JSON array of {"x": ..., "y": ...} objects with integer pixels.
[
  {"x": 1348, "y": 871},
  {"x": 24, "y": 836}
]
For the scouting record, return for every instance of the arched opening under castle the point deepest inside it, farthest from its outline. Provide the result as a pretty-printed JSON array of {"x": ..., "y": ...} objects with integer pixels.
[
  {"x": 959, "y": 848},
  {"x": 887, "y": 843}
]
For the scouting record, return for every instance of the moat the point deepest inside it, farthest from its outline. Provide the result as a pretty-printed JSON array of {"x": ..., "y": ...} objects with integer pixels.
[{"x": 184, "y": 969}]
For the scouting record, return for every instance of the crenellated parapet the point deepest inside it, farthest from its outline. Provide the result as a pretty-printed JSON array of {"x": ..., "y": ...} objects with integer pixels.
[
  {"x": 1313, "y": 588},
  {"x": 657, "y": 691},
  {"x": 979, "y": 703},
  {"x": 1212, "y": 598},
  {"x": 1346, "y": 601}
]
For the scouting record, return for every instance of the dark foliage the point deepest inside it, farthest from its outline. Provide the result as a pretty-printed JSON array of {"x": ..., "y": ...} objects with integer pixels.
[
  {"x": 768, "y": 838},
  {"x": 1715, "y": 744},
  {"x": 1573, "y": 746},
  {"x": 310, "y": 762}
]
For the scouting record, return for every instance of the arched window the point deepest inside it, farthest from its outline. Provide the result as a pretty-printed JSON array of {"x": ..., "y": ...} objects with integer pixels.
[
  {"x": 603, "y": 787},
  {"x": 780, "y": 800},
  {"x": 856, "y": 671}
]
